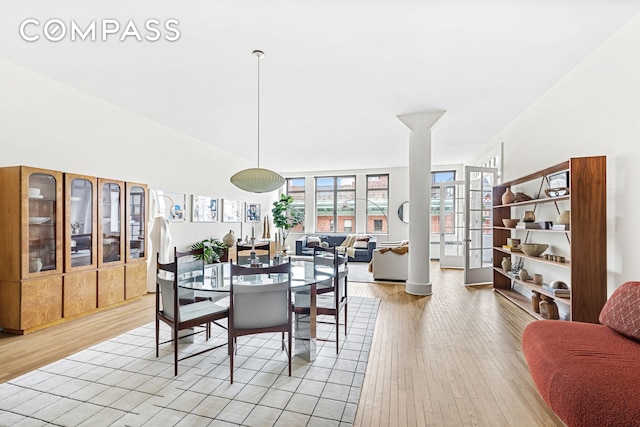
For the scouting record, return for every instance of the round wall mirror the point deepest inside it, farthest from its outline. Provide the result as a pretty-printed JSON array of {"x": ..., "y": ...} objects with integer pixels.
[{"x": 403, "y": 212}]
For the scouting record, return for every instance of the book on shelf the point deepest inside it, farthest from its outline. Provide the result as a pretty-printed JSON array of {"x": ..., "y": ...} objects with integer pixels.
[
  {"x": 539, "y": 225},
  {"x": 560, "y": 227},
  {"x": 527, "y": 225},
  {"x": 556, "y": 292},
  {"x": 511, "y": 249}
]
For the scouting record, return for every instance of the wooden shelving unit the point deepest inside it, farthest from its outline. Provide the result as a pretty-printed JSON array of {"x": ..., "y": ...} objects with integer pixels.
[{"x": 586, "y": 241}]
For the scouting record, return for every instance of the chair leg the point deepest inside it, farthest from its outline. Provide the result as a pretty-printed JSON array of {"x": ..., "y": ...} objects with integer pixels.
[
  {"x": 290, "y": 350},
  {"x": 337, "y": 317},
  {"x": 231, "y": 351},
  {"x": 283, "y": 341},
  {"x": 157, "y": 337},
  {"x": 175, "y": 351},
  {"x": 345, "y": 320}
]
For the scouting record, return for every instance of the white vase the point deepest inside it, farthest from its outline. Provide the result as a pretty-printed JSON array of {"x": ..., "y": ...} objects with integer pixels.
[
  {"x": 564, "y": 217},
  {"x": 229, "y": 239}
]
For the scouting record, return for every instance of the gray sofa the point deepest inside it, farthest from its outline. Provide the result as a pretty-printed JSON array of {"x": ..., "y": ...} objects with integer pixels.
[{"x": 361, "y": 254}]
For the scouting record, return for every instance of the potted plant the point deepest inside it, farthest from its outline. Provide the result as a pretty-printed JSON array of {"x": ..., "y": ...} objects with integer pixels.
[
  {"x": 213, "y": 250},
  {"x": 285, "y": 217}
]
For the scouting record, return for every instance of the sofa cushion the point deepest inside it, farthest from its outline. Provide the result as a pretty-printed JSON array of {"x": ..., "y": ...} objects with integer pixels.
[
  {"x": 313, "y": 241},
  {"x": 588, "y": 374},
  {"x": 362, "y": 242},
  {"x": 621, "y": 312}
]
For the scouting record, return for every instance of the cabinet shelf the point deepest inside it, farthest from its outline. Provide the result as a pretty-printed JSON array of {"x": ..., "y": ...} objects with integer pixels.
[
  {"x": 532, "y": 286},
  {"x": 565, "y": 264},
  {"x": 586, "y": 241},
  {"x": 534, "y": 202},
  {"x": 537, "y": 230},
  {"x": 519, "y": 300}
]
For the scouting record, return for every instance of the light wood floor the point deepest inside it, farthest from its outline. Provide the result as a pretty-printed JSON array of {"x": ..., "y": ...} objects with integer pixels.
[{"x": 450, "y": 359}]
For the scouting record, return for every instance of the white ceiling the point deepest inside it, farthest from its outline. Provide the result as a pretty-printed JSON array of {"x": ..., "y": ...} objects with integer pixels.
[{"x": 336, "y": 73}]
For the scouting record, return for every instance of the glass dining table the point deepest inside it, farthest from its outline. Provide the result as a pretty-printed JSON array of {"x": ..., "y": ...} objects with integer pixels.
[{"x": 306, "y": 278}]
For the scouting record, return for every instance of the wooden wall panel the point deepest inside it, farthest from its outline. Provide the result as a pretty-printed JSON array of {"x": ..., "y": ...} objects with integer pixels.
[
  {"x": 41, "y": 301},
  {"x": 80, "y": 293},
  {"x": 136, "y": 280},
  {"x": 110, "y": 286}
]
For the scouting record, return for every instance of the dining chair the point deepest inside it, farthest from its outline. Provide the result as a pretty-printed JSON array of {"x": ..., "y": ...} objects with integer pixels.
[
  {"x": 259, "y": 306},
  {"x": 332, "y": 297},
  {"x": 180, "y": 307},
  {"x": 243, "y": 252}
]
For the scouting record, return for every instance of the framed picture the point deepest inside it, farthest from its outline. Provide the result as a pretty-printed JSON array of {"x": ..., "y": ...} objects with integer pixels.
[
  {"x": 174, "y": 205},
  {"x": 231, "y": 211},
  {"x": 559, "y": 180},
  {"x": 252, "y": 212},
  {"x": 204, "y": 209}
]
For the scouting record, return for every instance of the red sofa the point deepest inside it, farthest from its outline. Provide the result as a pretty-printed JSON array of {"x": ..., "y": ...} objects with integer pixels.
[{"x": 589, "y": 374}]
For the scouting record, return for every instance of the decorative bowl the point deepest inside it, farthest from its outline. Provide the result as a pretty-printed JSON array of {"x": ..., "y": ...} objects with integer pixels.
[
  {"x": 510, "y": 222},
  {"x": 38, "y": 219},
  {"x": 533, "y": 249}
]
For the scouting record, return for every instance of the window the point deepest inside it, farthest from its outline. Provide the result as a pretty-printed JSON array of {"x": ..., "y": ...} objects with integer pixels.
[
  {"x": 437, "y": 178},
  {"x": 335, "y": 203},
  {"x": 295, "y": 189},
  {"x": 377, "y": 203}
]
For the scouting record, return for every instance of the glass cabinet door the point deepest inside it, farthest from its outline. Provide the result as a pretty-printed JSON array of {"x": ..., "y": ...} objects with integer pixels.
[
  {"x": 80, "y": 222},
  {"x": 111, "y": 213},
  {"x": 43, "y": 209},
  {"x": 137, "y": 217}
]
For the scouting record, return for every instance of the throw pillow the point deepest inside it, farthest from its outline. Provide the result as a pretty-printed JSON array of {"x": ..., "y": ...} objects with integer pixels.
[
  {"x": 313, "y": 241},
  {"x": 361, "y": 244},
  {"x": 324, "y": 244},
  {"x": 621, "y": 312}
]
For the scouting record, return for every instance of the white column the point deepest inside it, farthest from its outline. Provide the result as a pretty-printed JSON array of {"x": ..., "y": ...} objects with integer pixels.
[{"x": 420, "y": 125}]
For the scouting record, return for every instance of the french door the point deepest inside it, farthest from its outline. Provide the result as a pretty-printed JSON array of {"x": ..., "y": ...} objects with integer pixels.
[
  {"x": 452, "y": 224},
  {"x": 478, "y": 266}
]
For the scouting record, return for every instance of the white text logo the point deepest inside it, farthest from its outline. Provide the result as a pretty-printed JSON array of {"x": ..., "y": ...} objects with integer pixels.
[{"x": 56, "y": 30}]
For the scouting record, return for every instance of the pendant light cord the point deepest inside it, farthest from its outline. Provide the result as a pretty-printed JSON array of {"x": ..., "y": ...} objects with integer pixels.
[{"x": 259, "y": 54}]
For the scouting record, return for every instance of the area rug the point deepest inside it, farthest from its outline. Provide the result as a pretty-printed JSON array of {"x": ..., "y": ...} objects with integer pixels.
[
  {"x": 120, "y": 382},
  {"x": 359, "y": 272}
]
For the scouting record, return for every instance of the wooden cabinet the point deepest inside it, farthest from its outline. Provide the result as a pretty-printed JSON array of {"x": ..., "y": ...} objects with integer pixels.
[
  {"x": 110, "y": 222},
  {"x": 63, "y": 252},
  {"x": 136, "y": 213},
  {"x": 81, "y": 215},
  {"x": 583, "y": 246}
]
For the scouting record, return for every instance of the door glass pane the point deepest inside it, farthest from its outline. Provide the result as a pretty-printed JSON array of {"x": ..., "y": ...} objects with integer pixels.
[
  {"x": 42, "y": 222},
  {"x": 111, "y": 231},
  {"x": 81, "y": 222},
  {"x": 136, "y": 222}
]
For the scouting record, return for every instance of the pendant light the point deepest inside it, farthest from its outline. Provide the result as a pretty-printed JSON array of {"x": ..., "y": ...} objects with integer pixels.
[{"x": 258, "y": 180}]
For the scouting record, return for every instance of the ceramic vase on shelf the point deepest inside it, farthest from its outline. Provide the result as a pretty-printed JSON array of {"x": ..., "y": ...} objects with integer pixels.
[
  {"x": 506, "y": 263},
  {"x": 229, "y": 239},
  {"x": 508, "y": 197},
  {"x": 524, "y": 274},
  {"x": 564, "y": 217},
  {"x": 35, "y": 265},
  {"x": 529, "y": 216},
  {"x": 535, "y": 302}
]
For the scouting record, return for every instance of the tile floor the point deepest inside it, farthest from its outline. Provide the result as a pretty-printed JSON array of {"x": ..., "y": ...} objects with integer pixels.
[{"x": 121, "y": 383}]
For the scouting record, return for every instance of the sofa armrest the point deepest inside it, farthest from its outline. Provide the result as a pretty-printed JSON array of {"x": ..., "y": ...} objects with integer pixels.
[
  {"x": 301, "y": 243},
  {"x": 371, "y": 246}
]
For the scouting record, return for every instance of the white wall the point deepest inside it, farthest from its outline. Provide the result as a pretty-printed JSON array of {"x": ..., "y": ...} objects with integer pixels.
[
  {"x": 593, "y": 110},
  {"x": 46, "y": 124}
]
